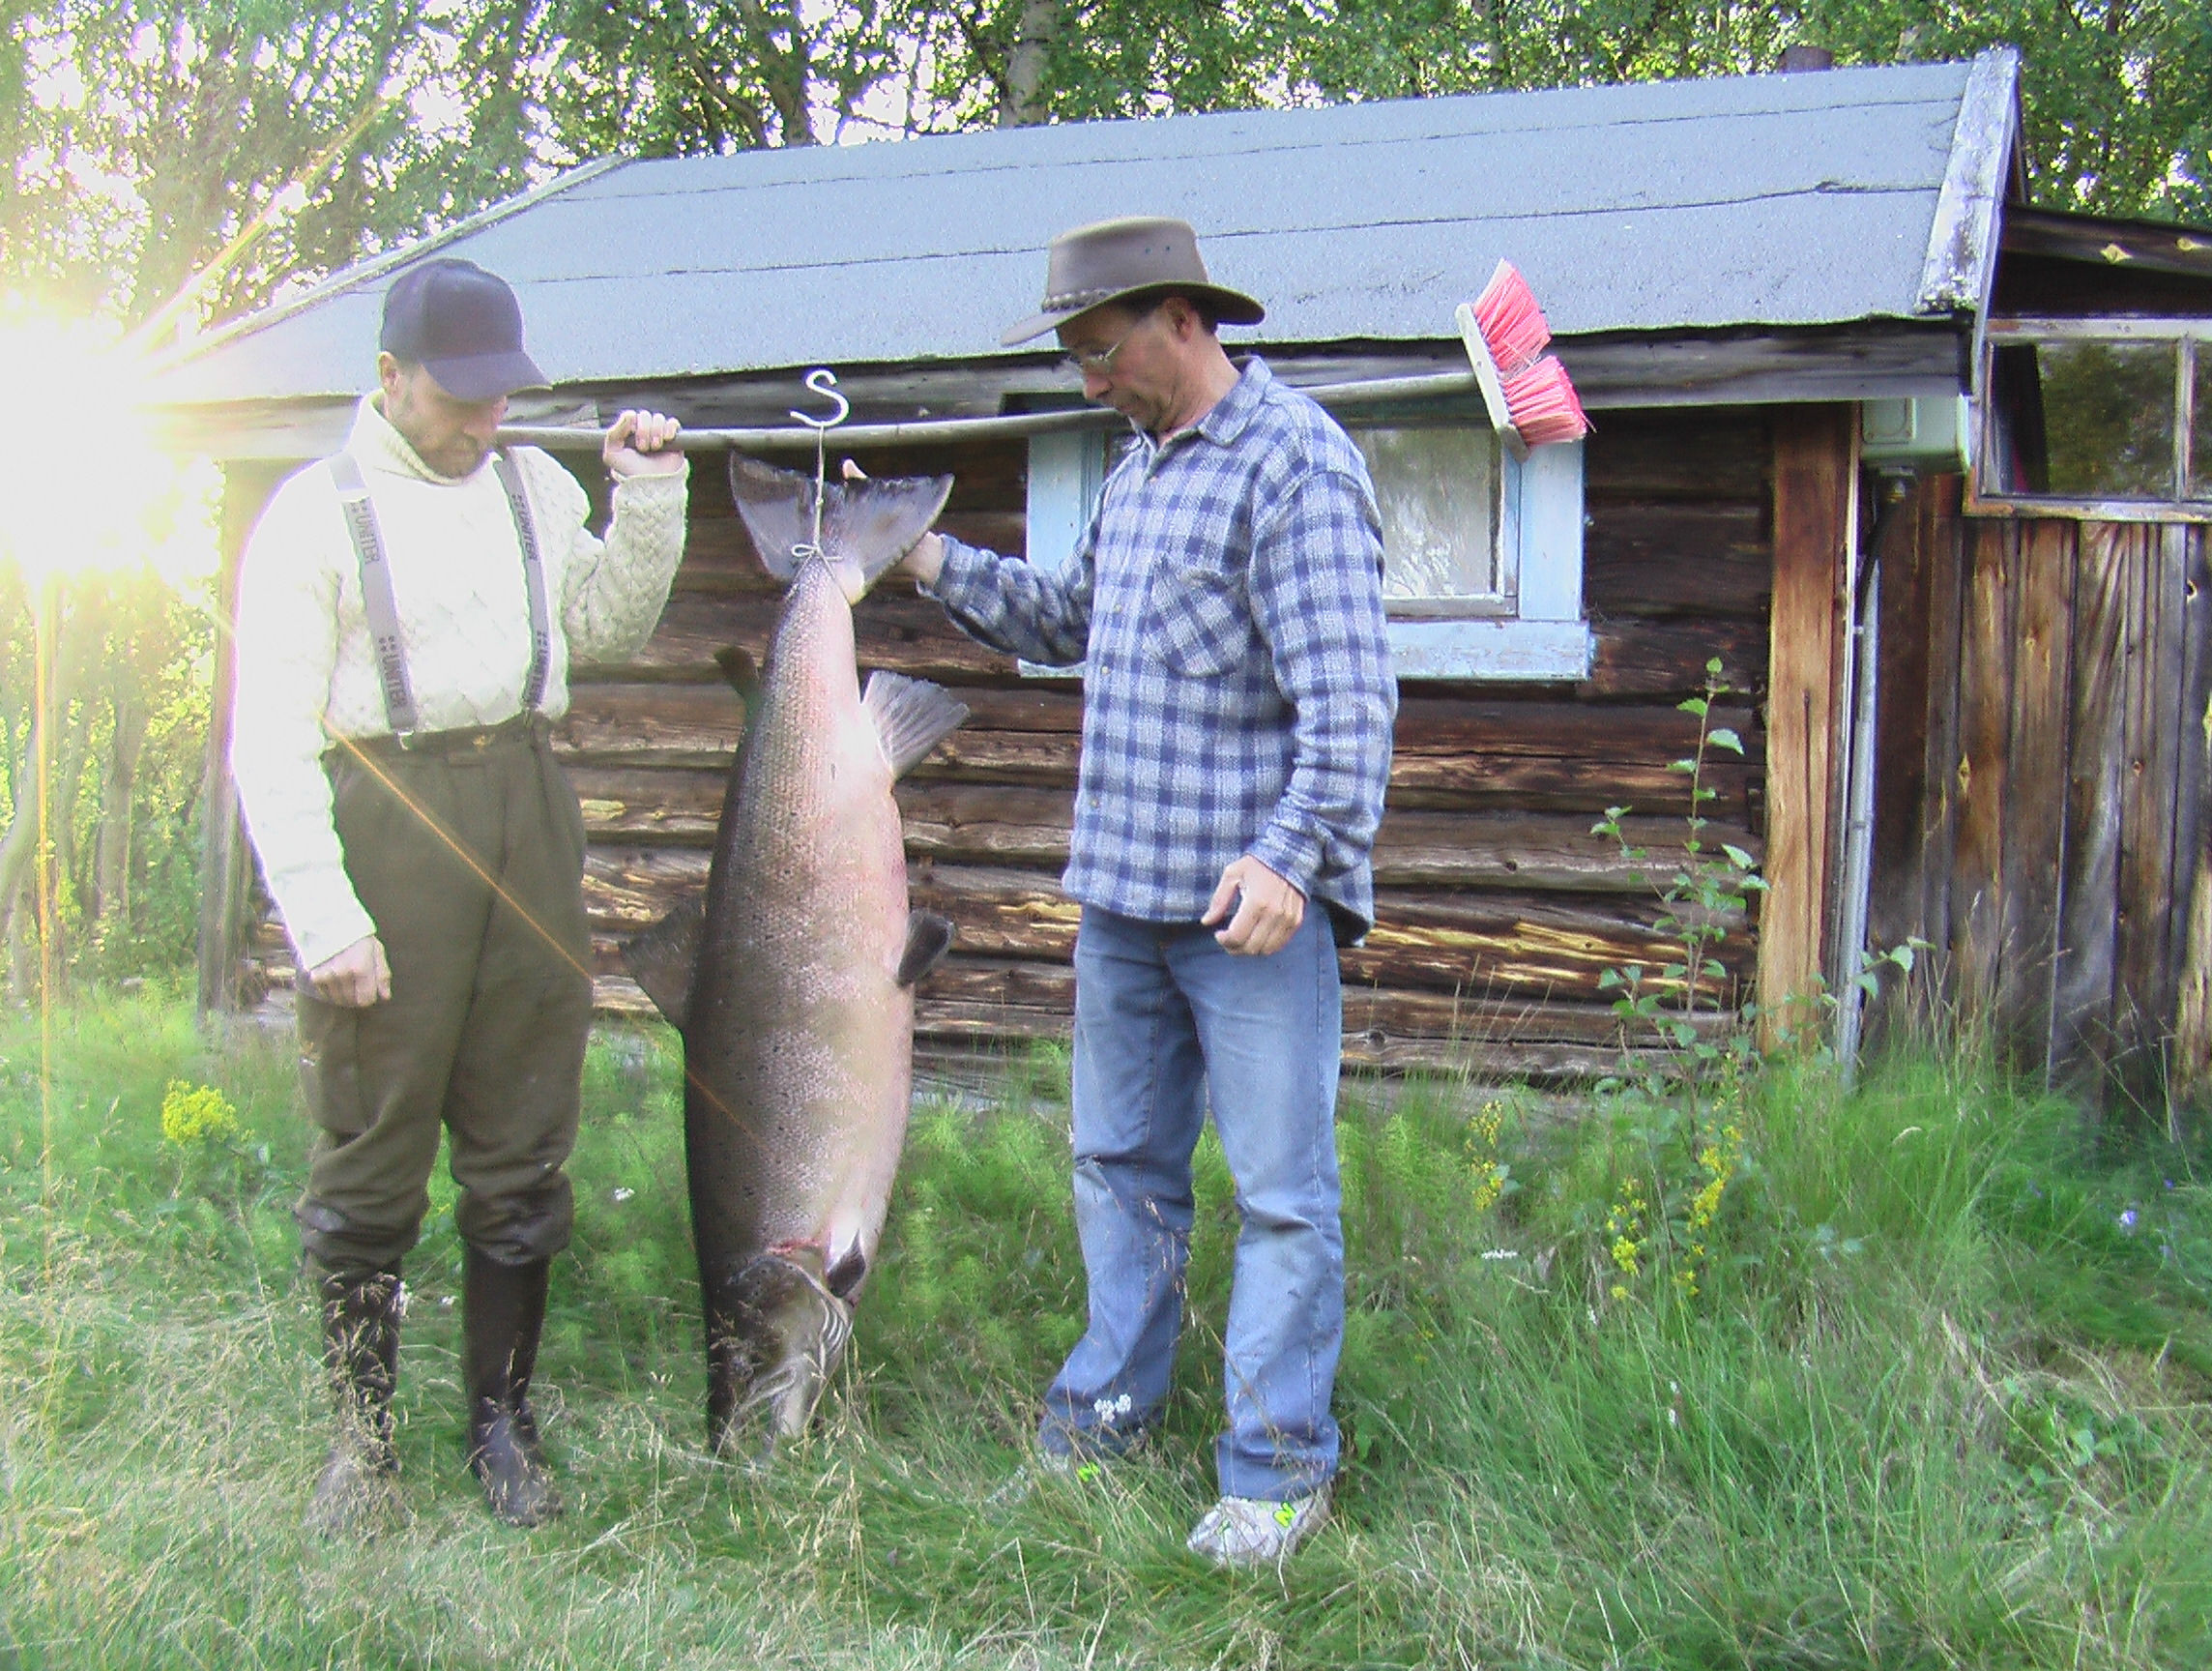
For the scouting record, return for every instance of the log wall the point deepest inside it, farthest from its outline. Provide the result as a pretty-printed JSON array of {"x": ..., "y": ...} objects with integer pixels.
[{"x": 1498, "y": 910}]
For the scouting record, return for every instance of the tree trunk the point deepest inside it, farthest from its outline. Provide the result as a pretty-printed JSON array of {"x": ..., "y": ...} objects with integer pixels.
[
  {"x": 109, "y": 895},
  {"x": 1022, "y": 99},
  {"x": 20, "y": 846},
  {"x": 64, "y": 656},
  {"x": 786, "y": 66}
]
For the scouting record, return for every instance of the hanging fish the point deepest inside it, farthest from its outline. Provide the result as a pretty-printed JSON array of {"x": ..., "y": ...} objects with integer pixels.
[{"x": 792, "y": 981}]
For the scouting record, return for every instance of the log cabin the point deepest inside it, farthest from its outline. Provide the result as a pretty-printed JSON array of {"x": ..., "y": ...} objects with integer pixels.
[{"x": 1869, "y": 441}]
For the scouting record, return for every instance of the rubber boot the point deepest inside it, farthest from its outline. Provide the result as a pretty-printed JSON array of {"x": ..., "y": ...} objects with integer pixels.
[
  {"x": 504, "y": 1310},
  {"x": 357, "y": 1493}
]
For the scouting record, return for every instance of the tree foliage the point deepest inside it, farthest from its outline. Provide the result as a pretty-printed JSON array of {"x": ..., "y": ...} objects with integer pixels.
[
  {"x": 143, "y": 137},
  {"x": 181, "y": 161}
]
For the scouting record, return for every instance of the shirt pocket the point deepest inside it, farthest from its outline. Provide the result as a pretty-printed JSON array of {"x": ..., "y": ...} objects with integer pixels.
[{"x": 1197, "y": 620}]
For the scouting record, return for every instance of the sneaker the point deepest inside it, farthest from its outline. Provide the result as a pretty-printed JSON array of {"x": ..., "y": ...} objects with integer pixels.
[
  {"x": 1246, "y": 1532},
  {"x": 1048, "y": 1465},
  {"x": 1088, "y": 1458},
  {"x": 1068, "y": 1465}
]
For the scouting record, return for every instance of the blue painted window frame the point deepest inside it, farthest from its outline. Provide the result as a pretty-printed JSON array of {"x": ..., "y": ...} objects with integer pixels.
[{"x": 1546, "y": 638}]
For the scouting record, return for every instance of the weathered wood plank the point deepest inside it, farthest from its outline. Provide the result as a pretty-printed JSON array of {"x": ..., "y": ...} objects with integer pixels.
[
  {"x": 2035, "y": 787},
  {"x": 1482, "y": 1021},
  {"x": 1668, "y": 658},
  {"x": 942, "y": 1022},
  {"x": 627, "y": 888},
  {"x": 1703, "y": 559},
  {"x": 906, "y": 633},
  {"x": 2089, "y": 909},
  {"x": 1985, "y": 725},
  {"x": 1490, "y": 944},
  {"x": 1568, "y": 783},
  {"x": 1482, "y": 941},
  {"x": 2151, "y": 744},
  {"x": 1814, "y": 508},
  {"x": 696, "y": 726},
  {"x": 998, "y": 913},
  {"x": 1442, "y": 725},
  {"x": 1016, "y": 825},
  {"x": 1901, "y": 799},
  {"x": 986, "y": 824},
  {"x": 2192, "y": 929},
  {"x": 1943, "y": 534},
  {"x": 647, "y": 805},
  {"x": 896, "y": 629},
  {"x": 1680, "y": 455},
  {"x": 1414, "y": 848},
  {"x": 1520, "y": 850},
  {"x": 1535, "y": 755}
]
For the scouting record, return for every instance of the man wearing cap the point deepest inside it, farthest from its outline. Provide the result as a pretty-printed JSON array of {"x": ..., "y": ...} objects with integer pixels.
[
  {"x": 408, "y": 612},
  {"x": 1225, "y": 604}
]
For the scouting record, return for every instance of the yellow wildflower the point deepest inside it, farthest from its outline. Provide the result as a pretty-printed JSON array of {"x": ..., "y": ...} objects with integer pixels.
[{"x": 196, "y": 1114}]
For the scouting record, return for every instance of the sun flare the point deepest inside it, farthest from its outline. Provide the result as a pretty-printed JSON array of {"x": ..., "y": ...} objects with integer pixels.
[{"x": 85, "y": 485}]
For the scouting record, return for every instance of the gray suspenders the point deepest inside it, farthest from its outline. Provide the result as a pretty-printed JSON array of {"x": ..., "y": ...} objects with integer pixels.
[{"x": 383, "y": 609}]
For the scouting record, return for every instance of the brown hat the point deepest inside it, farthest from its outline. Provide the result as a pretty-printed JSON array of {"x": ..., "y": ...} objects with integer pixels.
[{"x": 1140, "y": 258}]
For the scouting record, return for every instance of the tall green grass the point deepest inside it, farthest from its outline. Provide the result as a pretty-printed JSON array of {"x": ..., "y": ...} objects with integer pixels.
[{"x": 1931, "y": 1391}]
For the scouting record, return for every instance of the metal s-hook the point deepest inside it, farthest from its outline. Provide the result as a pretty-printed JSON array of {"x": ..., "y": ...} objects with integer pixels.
[{"x": 823, "y": 381}]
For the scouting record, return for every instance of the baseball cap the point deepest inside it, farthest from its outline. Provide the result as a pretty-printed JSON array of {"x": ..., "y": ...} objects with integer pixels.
[{"x": 462, "y": 325}]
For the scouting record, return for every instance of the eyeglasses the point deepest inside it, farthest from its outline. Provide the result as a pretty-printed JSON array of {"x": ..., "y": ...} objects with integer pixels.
[{"x": 1099, "y": 362}]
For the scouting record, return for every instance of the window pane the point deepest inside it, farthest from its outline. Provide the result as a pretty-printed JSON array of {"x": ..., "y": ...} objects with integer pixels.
[
  {"x": 2107, "y": 413},
  {"x": 2200, "y": 439},
  {"x": 1436, "y": 490}
]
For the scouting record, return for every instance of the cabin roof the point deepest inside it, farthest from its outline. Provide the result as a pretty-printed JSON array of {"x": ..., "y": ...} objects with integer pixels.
[{"x": 1764, "y": 202}]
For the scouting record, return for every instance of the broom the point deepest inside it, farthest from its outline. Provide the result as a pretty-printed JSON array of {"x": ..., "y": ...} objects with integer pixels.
[{"x": 1531, "y": 400}]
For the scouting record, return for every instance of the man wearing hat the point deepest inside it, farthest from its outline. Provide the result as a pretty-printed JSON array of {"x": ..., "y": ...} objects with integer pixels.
[
  {"x": 408, "y": 612},
  {"x": 1225, "y": 604}
]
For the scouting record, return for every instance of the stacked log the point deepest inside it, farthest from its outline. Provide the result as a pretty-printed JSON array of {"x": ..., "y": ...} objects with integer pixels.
[{"x": 1498, "y": 910}]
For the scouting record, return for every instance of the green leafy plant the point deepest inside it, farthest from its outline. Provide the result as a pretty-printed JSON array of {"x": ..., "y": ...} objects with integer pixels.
[{"x": 1710, "y": 886}]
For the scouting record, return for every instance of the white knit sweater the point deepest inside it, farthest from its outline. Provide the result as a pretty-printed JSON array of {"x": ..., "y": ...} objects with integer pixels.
[{"x": 306, "y": 673}]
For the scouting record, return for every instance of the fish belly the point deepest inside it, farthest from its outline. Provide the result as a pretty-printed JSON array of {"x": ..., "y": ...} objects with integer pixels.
[{"x": 800, "y": 1039}]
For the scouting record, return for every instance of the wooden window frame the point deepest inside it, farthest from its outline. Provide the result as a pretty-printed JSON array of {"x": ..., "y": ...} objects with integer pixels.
[
  {"x": 2194, "y": 339},
  {"x": 1537, "y": 632}
]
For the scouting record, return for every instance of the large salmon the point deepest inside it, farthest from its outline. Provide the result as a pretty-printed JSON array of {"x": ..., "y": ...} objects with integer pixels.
[{"x": 793, "y": 983}]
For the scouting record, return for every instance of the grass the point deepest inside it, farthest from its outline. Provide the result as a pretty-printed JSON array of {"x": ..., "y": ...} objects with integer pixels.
[{"x": 1912, "y": 1377}]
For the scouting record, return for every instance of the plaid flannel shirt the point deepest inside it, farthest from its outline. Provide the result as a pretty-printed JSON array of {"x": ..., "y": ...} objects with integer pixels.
[{"x": 1227, "y": 605}]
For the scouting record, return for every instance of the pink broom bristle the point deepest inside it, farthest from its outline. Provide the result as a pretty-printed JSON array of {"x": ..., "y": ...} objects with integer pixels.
[
  {"x": 1543, "y": 404},
  {"x": 1513, "y": 326}
]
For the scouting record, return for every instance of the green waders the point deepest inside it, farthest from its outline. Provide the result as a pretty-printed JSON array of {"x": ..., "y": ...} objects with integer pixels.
[{"x": 467, "y": 851}]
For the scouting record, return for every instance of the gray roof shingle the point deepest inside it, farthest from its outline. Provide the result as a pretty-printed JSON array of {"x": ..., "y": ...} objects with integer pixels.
[{"x": 1764, "y": 200}]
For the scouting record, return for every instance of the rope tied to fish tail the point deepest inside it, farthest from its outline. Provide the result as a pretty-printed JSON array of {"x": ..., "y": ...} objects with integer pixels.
[{"x": 823, "y": 381}]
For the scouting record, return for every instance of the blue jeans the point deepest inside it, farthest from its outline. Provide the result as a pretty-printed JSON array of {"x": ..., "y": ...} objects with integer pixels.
[{"x": 1165, "y": 1020}]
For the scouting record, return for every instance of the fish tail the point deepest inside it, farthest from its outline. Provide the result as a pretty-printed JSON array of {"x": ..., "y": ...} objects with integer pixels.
[{"x": 868, "y": 524}]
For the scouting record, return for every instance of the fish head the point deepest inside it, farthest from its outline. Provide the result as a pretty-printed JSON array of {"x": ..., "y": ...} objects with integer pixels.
[{"x": 786, "y": 1331}]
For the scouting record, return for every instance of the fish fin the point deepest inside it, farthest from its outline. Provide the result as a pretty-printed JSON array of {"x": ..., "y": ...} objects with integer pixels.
[
  {"x": 742, "y": 671},
  {"x": 661, "y": 959},
  {"x": 912, "y": 717},
  {"x": 928, "y": 938},
  {"x": 846, "y": 1273},
  {"x": 871, "y": 522}
]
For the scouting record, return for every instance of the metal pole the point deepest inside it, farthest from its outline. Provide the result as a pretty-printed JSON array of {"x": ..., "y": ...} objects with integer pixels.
[
  {"x": 1858, "y": 826},
  {"x": 921, "y": 433}
]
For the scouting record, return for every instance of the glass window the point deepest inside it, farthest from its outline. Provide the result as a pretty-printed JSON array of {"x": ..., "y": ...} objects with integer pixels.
[
  {"x": 1436, "y": 487},
  {"x": 1483, "y": 554},
  {"x": 2107, "y": 419},
  {"x": 2200, "y": 441}
]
